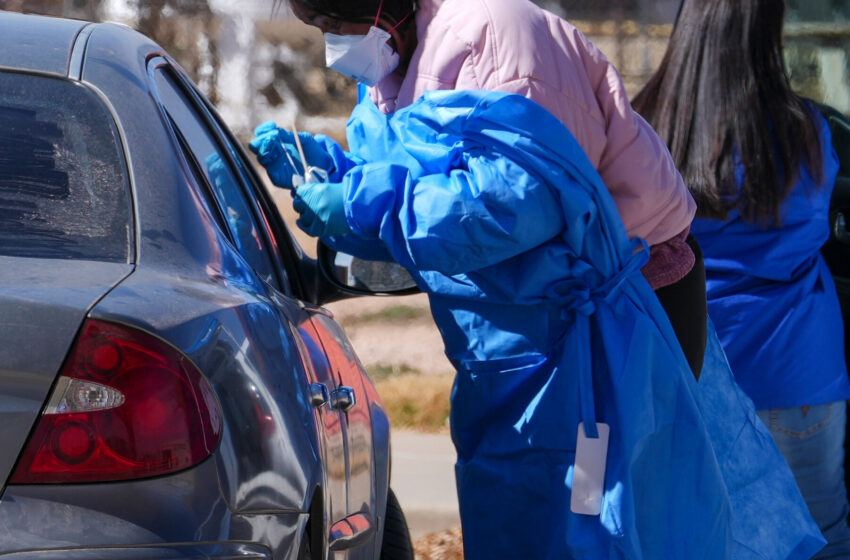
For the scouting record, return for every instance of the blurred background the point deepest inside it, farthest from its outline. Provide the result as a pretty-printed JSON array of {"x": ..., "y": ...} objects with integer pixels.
[{"x": 255, "y": 62}]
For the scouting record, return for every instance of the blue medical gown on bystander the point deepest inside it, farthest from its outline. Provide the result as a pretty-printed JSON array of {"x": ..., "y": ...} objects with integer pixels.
[{"x": 502, "y": 220}]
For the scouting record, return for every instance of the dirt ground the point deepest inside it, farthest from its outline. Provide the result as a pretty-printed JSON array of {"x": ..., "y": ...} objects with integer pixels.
[{"x": 445, "y": 545}]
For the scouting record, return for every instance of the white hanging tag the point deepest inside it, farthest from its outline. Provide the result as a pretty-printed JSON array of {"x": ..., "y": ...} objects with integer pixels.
[{"x": 589, "y": 471}]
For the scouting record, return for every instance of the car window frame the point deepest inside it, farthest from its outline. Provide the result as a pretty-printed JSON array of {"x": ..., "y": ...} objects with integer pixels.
[
  {"x": 230, "y": 195},
  {"x": 173, "y": 72},
  {"x": 287, "y": 251},
  {"x": 186, "y": 158}
]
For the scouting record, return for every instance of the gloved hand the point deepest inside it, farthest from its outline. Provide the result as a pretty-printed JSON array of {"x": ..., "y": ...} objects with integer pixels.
[
  {"x": 322, "y": 209},
  {"x": 277, "y": 152}
]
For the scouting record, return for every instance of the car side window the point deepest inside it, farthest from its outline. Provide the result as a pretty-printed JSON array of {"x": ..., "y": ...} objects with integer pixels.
[
  {"x": 217, "y": 169},
  {"x": 280, "y": 242},
  {"x": 262, "y": 205}
]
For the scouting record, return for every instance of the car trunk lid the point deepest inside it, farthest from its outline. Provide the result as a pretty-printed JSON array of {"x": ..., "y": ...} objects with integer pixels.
[{"x": 43, "y": 303}]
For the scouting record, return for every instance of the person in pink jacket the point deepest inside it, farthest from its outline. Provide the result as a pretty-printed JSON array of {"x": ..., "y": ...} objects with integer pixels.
[
  {"x": 477, "y": 45},
  {"x": 483, "y": 207}
]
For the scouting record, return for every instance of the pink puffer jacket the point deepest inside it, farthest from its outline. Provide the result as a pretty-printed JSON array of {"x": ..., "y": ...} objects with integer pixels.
[{"x": 516, "y": 47}]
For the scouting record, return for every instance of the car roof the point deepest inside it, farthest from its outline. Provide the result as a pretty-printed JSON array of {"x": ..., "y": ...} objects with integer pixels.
[{"x": 37, "y": 43}]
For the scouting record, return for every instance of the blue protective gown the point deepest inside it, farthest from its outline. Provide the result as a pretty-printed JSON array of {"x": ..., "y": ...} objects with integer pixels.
[
  {"x": 493, "y": 207},
  {"x": 773, "y": 299}
]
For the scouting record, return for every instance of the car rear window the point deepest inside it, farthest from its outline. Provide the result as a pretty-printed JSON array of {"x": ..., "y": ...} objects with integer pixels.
[{"x": 64, "y": 191}]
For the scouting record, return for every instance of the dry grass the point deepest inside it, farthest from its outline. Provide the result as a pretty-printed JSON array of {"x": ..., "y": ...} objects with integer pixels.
[
  {"x": 445, "y": 545},
  {"x": 416, "y": 401},
  {"x": 388, "y": 316}
]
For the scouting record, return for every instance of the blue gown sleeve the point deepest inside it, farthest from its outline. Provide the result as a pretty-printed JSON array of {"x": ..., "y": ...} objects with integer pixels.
[
  {"x": 484, "y": 210},
  {"x": 342, "y": 161}
]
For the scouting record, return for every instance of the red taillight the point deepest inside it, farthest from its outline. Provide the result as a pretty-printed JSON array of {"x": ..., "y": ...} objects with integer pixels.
[{"x": 127, "y": 405}]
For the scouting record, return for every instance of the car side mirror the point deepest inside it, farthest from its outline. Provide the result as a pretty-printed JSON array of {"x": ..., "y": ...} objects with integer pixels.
[{"x": 364, "y": 277}]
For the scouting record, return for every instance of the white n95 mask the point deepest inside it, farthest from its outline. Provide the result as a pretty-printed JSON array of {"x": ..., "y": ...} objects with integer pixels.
[{"x": 366, "y": 58}]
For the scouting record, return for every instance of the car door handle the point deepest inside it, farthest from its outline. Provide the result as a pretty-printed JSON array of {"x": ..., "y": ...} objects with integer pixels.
[
  {"x": 318, "y": 394},
  {"x": 343, "y": 398}
]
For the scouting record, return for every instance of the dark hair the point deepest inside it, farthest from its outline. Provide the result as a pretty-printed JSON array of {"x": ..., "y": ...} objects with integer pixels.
[
  {"x": 721, "y": 99},
  {"x": 360, "y": 10}
]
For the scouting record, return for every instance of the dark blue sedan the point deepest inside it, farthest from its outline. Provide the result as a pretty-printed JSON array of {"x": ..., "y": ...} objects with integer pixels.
[{"x": 169, "y": 386}]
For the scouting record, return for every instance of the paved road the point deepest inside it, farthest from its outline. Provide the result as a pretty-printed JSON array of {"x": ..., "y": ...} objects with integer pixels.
[{"x": 423, "y": 480}]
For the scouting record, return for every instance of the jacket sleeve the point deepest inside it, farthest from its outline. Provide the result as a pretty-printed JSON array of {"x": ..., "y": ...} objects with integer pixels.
[
  {"x": 631, "y": 158},
  {"x": 635, "y": 163},
  {"x": 485, "y": 210}
]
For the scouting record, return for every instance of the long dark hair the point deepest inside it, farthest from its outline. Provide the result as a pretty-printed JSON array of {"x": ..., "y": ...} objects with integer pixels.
[{"x": 721, "y": 99}]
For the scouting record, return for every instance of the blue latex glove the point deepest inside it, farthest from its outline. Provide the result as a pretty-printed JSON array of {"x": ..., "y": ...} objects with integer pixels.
[
  {"x": 272, "y": 144},
  {"x": 322, "y": 209}
]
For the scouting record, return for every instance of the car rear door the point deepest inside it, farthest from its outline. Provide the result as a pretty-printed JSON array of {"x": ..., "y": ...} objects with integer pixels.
[
  {"x": 352, "y": 399},
  {"x": 222, "y": 165}
]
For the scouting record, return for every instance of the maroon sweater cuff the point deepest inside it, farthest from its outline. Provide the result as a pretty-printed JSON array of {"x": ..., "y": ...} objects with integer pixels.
[{"x": 669, "y": 262}]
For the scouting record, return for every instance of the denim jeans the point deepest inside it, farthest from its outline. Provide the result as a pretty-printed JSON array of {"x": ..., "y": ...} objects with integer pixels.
[{"x": 812, "y": 441}]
